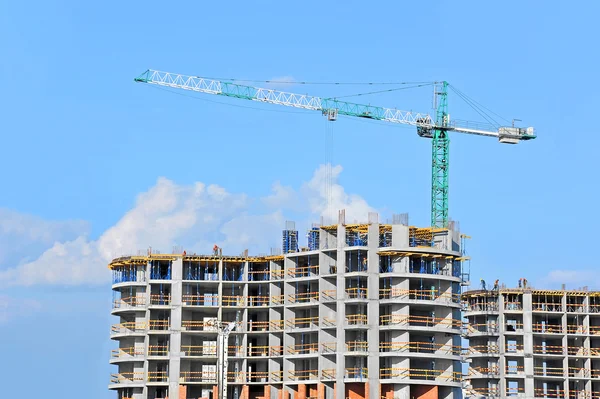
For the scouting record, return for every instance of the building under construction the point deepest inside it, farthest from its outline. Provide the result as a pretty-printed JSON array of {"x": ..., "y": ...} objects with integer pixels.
[
  {"x": 533, "y": 343},
  {"x": 363, "y": 311}
]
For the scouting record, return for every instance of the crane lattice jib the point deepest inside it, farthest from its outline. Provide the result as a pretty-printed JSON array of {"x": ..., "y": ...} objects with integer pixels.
[{"x": 426, "y": 127}]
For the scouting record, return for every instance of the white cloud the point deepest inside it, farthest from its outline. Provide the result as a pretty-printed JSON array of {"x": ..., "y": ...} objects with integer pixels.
[
  {"x": 194, "y": 216},
  {"x": 572, "y": 278}
]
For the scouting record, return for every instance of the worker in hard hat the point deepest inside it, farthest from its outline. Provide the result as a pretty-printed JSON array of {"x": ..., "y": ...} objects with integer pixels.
[
  {"x": 216, "y": 250},
  {"x": 483, "y": 284}
]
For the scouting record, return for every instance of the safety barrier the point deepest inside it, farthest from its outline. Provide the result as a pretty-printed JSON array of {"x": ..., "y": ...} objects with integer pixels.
[
  {"x": 247, "y": 376},
  {"x": 419, "y": 374},
  {"x": 356, "y": 372},
  {"x": 277, "y": 300},
  {"x": 306, "y": 297},
  {"x": 200, "y": 300},
  {"x": 198, "y": 376},
  {"x": 481, "y": 371},
  {"x": 328, "y": 374},
  {"x": 480, "y": 328},
  {"x": 254, "y": 351},
  {"x": 197, "y": 325},
  {"x": 124, "y": 378},
  {"x": 328, "y": 295},
  {"x": 547, "y": 328},
  {"x": 427, "y": 295},
  {"x": 420, "y": 347},
  {"x": 594, "y": 330},
  {"x": 548, "y": 350},
  {"x": 233, "y": 300},
  {"x": 514, "y": 348},
  {"x": 158, "y": 376},
  {"x": 160, "y": 299},
  {"x": 158, "y": 350},
  {"x": 259, "y": 300},
  {"x": 328, "y": 347},
  {"x": 547, "y": 307},
  {"x": 130, "y": 351},
  {"x": 575, "y": 329},
  {"x": 277, "y": 274},
  {"x": 199, "y": 350},
  {"x": 276, "y": 325},
  {"x": 356, "y": 319},
  {"x": 259, "y": 275},
  {"x": 158, "y": 325},
  {"x": 128, "y": 328},
  {"x": 303, "y": 322},
  {"x": 579, "y": 351},
  {"x": 549, "y": 393},
  {"x": 480, "y": 350},
  {"x": 479, "y": 307},
  {"x": 492, "y": 391},
  {"x": 513, "y": 305},
  {"x": 578, "y": 372},
  {"x": 548, "y": 371},
  {"x": 129, "y": 302},
  {"x": 303, "y": 375},
  {"x": 514, "y": 391},
  {"x": 512, "y": 369},
  {"x": 304, "y": 271},
  {"x": 575, "y": 308},
  {"x": 356, "y": 293},
  {"x": 419, "y": 321},
  {"x": 357, "y": 346},
  {"x": 261, "y": 325},
  {"x": 302, "y": 349},
  {"x": 328, "y": 322}
]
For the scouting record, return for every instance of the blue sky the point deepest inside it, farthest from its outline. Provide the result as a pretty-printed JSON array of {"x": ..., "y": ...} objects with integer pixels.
[{"x": 87, "y": 153}]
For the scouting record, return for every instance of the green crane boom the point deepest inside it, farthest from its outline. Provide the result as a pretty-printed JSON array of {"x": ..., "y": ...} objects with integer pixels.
[{"x": 330, "y": 107}]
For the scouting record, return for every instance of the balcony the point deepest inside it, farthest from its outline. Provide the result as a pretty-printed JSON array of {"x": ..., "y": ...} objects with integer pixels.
[
  {"x": 483, "y": 371},
  {"x": 547, "y": 328},
  {"x": 422, "y": 295},
  {"x": 356, "y": 293},
  {"x": 550, "y": 393},
  {"x": 514, "y": 349},
  {"x": 419, "y": 347},
  {"x": 259, "y": 300},
  {"x": 306, "y": 297},
  {"x": 198, "y": 376},
  {"x": 234, "y": 300},
  {"x": 328, "y": 295},
  {"x": 200, "y": 299},
  {"x": 127, "y": 378},
  {"x": 304, "y": 322},
  {"x": 328, "y": 374},
  {"x": 514, "y": 370},
  {"x": 482, "y": 329},
  {"x": 158, "y": 350},
  {"x": 302, "y": 349},
  {"x": 130, "y": 302},
  {"x": 158, "y": 325},
  {"x": 128, "y": 328},
  {"x": 356, "y": 373},
  {"x": 160, "y": 299},
  {"x": 548, "y": 371},
  {"x": 357, "y": 320},
  {"x": 491, "y": 349},
  {"x": 579, "y": 372},
  {"x": 548, "y": 350},
  {"x": 199, "y": 350},
  {"x": 514, "y": 391},
  {"x": 303, "y": 375},
  {"x": 304, "y": 271},
  {"x": 419, "y": 374},
  {"x": 127, "y": 353},
  {"x": 357, "y": 346},
  {"x": 262, "y": 351},
  {"x": 418, "y": 321},
  {"x": 158, "y": 376}
]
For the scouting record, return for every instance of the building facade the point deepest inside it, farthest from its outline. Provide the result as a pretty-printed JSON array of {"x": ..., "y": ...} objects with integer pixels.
[
  {"x": 366, "y": 311},
  {"x": 533, "y": 343}
]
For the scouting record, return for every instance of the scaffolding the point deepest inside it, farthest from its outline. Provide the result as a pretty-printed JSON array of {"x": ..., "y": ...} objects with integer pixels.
[
  {"x": 313, "y": 238},
  {"x": 290, "y": 238}
]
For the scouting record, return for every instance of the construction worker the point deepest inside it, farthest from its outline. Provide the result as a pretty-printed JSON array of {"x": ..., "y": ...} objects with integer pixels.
[
  {"x": 216, "y": 250},
  {"x": 496, "y": 285},
  {"x": 524, "y": 282},
  {"x": 520, "y": 282},
  {"x": 482, "y": 284}
]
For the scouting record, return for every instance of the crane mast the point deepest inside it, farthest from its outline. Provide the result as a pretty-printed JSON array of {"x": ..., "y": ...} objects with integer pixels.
[{"x": 331, "y": 108}]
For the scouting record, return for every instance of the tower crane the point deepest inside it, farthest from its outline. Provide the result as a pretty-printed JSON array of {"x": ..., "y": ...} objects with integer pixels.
[{"x": 436, "y": 128}]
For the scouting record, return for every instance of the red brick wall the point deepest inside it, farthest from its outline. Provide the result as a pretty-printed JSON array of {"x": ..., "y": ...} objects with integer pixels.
[
  {"x": 424, "y": 392},
  {"x": 182, "y": 392}
]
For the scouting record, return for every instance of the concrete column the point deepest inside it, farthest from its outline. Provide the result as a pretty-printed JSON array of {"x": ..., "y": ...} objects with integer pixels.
[
  {"x": 175, "y": 336},
  {"x": 372, "y": 386},
  {"x": 339, "y": 388}
]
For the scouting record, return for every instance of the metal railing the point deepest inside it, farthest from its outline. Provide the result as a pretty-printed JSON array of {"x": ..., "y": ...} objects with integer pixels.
[
  {"x": 129, "y": 302},
  {"x": 199, "y": 350},
  {"x": 303, "y": 322},
  {"x": 419, "y": 321},
  {"x": 124, "y": 378},
  {"x": 548, "y": 371},
  {"x": 302, "y": 349},
  {"x": 356, "y": 293},
  {"x": 306, "y": 297},
  {"x": 419, "y": 374},
  {"x": 303, "y": 271},
  {"x": 158, "y": 376},
  {"x": 200, "y": 299},
  {"x": 356, "y": 372},
  {"x": 130, "y": 351},
  {"x": 357, "y": 346},
  {"x": 198, "y": 376},
  {"x": 303, "y": 375},
  {"x": 158, "y": 325},
  {"x": 356, "y": 319},
  {"x": 158, "y": 350},
  {"x": 234, "y": 300},
  {"x": 547, "y": 328},
  {"x": 328, "y": 295},
  {"x": 259, "y": 300},
  {"x": 160, "y": 299},
  {"x": 420, "y": 347},
  {"x": 128, "y": 327}
]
